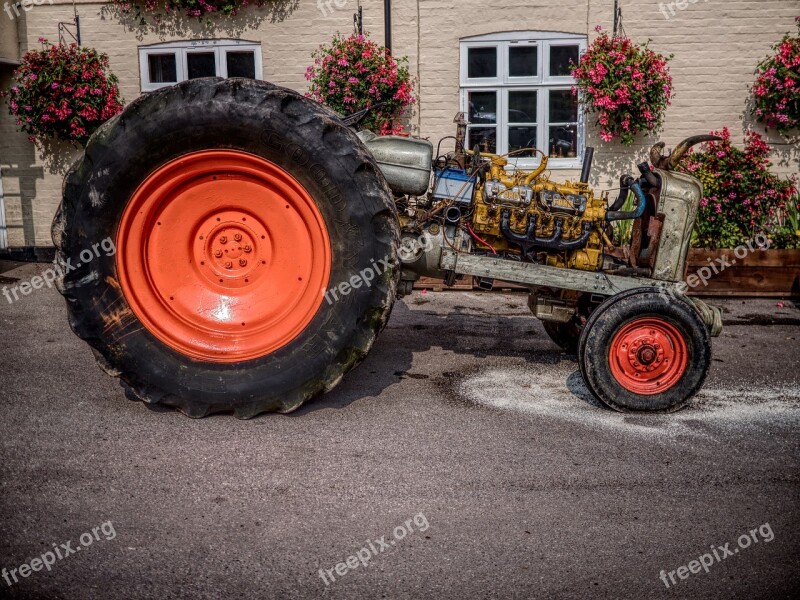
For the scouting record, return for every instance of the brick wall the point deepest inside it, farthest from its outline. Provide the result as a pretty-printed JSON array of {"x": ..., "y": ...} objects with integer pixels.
[{"x": 716, "y": 44}]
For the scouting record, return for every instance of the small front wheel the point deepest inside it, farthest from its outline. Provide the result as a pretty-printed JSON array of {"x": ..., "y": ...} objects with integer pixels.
[{"x": 645, "y": 351}]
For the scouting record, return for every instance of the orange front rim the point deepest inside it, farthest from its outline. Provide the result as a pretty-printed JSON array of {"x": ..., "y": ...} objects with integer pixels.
[
  {"x": 648, "y": 356},
  {"x": 223, "y": 256}
]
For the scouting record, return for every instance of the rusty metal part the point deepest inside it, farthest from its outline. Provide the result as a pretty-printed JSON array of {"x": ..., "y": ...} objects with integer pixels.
[{"x": 670, "y": 161}]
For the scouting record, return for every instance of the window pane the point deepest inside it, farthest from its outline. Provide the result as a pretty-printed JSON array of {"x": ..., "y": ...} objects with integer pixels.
[
  {"x": 241, "y": 64},
  {"x": 481, "y": 62},
  {"x": 522, "y": 107},
  {"x": 560, "y": 56},
  {"x": 563, "y": 107},
  {"x": 485, "y": 137},
  {"x": 523, "y": 61},
  {"x": 201, "y": 64},
  {"x": 162, "y": 68},
  {"x": 522, "y": 137},
  {"x": 483, "y": 107},
  {"x": 564, "y": 141}
]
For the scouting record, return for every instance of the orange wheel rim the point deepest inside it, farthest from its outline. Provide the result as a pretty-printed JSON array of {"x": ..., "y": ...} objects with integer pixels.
[
  {"x": 223, "y": 256},
  {"x": 648, "y": 356}
]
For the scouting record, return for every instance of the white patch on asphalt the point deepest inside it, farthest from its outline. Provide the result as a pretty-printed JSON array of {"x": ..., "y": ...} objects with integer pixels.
[{"x": 557, "y": 391}]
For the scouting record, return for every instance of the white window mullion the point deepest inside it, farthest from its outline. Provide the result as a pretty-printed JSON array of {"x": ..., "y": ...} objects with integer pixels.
[
  {"x": 181, "y": 65},
  {"x": 502, "y": 121},
  {"x": 220, "y": 55},
  {"x": 542, "y": 118}
]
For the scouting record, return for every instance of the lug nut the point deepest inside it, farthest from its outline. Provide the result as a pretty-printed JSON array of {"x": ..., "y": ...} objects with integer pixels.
[
  {"x": 218, "y": 253},
  {"x": 223, "y": 240},
  {"x": 248, "y": 249},
  {"x": 228, "y": 265},
  {"x": 238, "y": 237},
  {"x": 242, "y": 262}
]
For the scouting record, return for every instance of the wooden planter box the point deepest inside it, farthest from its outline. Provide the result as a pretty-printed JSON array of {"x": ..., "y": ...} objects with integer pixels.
[{"x": 762, "y": 273}]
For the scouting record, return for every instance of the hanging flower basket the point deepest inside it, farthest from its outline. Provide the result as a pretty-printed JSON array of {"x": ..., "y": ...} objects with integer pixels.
[
  {"x": 191, "y": 8},
  {"x": 627, "y": 85},
  {"x": 354, "y": 73},
  {"x": 776, "y": 92},
  {"x": 63, "y": 92}
]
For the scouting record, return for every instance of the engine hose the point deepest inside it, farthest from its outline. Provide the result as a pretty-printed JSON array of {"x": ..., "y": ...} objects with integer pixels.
[
  {"x": 624, "y": 188},
  {"x": 617, "y": 215}
]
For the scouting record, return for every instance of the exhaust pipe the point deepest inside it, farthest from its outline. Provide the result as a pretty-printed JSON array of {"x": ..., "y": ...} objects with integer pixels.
[
  {"x": 588, "y": 155},
  {"x": 671, "y": 160}
]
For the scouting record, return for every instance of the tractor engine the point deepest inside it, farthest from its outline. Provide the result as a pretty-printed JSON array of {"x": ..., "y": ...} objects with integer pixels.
[
  {"x": 480, "y": 205},
  {"x": 525, "y": 214}
]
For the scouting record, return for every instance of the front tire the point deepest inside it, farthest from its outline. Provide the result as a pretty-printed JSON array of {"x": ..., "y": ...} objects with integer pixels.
[
  {"x": 644, "y": 351},
  {"x": 236, "y": 207}
]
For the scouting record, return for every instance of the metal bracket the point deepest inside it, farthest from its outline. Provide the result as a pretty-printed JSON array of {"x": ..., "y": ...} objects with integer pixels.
[{"x": 63, "y": 30}]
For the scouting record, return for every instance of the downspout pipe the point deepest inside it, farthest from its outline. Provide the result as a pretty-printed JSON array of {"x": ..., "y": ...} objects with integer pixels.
[
  {"x": 387, "y": 24},
  {"x": 3, "y": 228}
]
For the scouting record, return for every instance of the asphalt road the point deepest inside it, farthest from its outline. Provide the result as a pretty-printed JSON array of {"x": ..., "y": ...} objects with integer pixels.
[{"x": 463, "y": 459}]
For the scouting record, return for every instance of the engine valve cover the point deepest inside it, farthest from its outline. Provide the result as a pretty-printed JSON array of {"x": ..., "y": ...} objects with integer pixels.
[
  {"x": 496, "y": 193},
  {"x": 570, "y": 204}
]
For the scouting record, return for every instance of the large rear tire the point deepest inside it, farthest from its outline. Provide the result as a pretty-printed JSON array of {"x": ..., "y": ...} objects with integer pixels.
[{"x": 234, "y": 207}]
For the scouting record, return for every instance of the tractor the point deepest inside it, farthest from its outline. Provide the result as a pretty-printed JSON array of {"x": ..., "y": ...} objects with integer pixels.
[{"x": 261, "y": 241}]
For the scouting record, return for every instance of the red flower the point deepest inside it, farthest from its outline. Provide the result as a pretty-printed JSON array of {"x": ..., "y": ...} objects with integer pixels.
[
  {"x": 46, "y": 104},
  {"x": 192, "y": 8},
  {"x": 740, "y": 195},
  {"x": 776, "y": 91},
  {"x": 354, "y": 73},
  {"x": 610, "y": 79}
]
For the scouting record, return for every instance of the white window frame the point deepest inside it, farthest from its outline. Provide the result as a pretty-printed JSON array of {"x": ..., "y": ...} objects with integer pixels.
[
  {"x": 543, "y": 83},
  {"x": 182, "y": 49}
]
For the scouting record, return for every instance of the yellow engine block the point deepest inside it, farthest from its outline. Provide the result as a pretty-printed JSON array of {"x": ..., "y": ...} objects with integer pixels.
[{"x": 525, "y": 195}]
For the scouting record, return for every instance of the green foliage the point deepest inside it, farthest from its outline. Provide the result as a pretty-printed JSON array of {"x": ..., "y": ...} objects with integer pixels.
[
  {"x": 191, "y": 8},
  {"x": 63, "y": 92},
  {"x": 741, "y": 196},
  {"x": 626, "y": 84},
  {"x": 776, "y": 92},
  {"x": 355, "y": 73}
]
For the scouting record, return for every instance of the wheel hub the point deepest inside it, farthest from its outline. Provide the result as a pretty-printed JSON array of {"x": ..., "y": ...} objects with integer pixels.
[
  {"x": 233, "y": 247},
  {"x": 223, "y": 256},
  {"x": 648, "y": 356}
]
